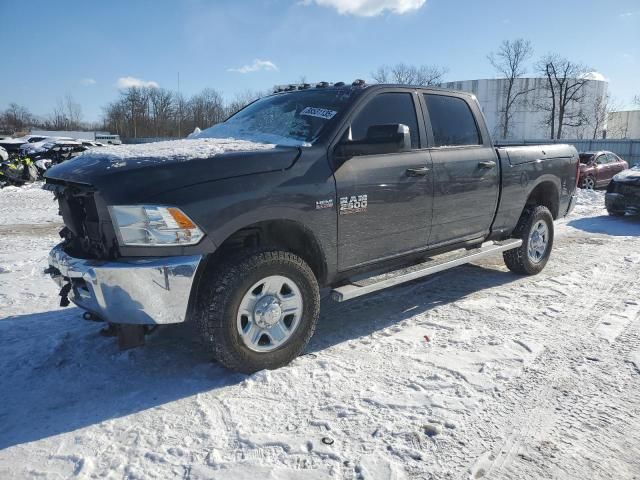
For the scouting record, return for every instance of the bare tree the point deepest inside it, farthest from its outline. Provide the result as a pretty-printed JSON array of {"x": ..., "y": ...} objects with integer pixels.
[
  {"x": 157, "y": 112},
  {"x": 565, "y": 84},
  {"x": 600, "y": 111},
  {"x": 115, "y": 118},
  {"x": 207, "y": 108},
  {"x": 241, "y": 100},
  {"x": 73, "y": 112},
  {"x": 636, "y": 100},
  {"x": 161, "y": 101},
  {"x": 16, "y": 118},
  {"x": 403, "y": 74},
  {"x": 58, "y": 119},
  {"x": 510, "y": 61}
]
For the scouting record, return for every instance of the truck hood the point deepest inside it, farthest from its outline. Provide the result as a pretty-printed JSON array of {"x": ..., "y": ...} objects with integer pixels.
[
  {"x": 141, "y": 171},
  {"x": 628, "y": 176}
]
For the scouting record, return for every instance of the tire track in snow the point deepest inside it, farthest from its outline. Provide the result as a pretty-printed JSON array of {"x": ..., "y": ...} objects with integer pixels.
[{"x": 538, "y": 410}]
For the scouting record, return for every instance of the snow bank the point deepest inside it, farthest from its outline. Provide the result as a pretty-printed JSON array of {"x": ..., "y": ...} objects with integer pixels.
[
  {"x": 27, "y": 205},
  {"x": 590, "y": 203}
]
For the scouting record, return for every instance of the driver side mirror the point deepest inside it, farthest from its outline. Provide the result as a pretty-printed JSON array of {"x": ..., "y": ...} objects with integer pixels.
[{"x": 380, "y": 139}]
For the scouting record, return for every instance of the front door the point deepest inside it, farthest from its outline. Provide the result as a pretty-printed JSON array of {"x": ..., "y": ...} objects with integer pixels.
[
  {"x": 603, "y": 170},
  {"x": 466, "y": 175},
  {"x": 384, "y": 200}
]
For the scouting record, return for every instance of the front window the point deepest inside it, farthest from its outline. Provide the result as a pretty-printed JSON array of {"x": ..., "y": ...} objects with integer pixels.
[
  {"x": 384, "y": 109},
  {"x": 586, "y": 158},
  {"x": 296, "y": 118}
]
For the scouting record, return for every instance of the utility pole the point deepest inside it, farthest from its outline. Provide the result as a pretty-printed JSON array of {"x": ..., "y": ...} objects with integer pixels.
[{"x": 179, "y": 107}]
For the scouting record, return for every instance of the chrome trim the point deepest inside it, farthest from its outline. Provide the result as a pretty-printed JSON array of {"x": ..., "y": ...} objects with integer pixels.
[
  {"x": 144, "y": 291},
  {"x": 573, "y": 200},
  {"x": 353, "y": 290},
  {"x": 538, "y": 242}
]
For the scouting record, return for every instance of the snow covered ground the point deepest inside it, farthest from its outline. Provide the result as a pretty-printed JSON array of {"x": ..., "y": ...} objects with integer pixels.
[{"x": 472, "y": 373}]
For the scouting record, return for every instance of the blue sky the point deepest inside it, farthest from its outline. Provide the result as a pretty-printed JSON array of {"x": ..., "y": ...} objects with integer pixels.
[{"x": 83, "y": 48}]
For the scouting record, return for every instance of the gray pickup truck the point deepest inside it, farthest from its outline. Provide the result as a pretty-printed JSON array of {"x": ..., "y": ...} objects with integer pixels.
[{"x": 353, "y": 188}]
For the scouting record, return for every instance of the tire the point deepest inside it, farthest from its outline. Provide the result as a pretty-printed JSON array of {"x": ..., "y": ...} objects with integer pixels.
[
  {"x": 519, "y": 259},
  {"x": 227, "y": 325},
  {"x": 588, "y": 183},
  {"x": 613, "y": 213}
]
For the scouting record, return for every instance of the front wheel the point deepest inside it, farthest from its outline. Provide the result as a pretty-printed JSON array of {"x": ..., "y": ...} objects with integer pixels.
[
  {"x": 588, "y": 183},
  {"x": 535, "y": 228},
  {"x": 259, "y": 311}
]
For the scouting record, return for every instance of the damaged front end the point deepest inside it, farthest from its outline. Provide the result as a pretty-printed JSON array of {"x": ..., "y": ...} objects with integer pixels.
[{"x": 90, "y": 272}]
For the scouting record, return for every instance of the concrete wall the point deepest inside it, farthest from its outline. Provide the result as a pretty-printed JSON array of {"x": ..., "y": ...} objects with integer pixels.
[
  {"x": 625, "y": 124},
  {"x": 528, "y": 120}
]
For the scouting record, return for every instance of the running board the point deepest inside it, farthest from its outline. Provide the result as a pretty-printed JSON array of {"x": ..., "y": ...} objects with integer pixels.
[{"x": 357, "y": 289}]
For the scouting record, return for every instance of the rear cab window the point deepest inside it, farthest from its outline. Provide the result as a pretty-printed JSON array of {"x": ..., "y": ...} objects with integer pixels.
[{"x": 452, "y": 121}]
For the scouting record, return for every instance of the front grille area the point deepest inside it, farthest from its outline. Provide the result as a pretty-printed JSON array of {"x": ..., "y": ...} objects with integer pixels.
[
  {"x": 626, "y": 189},
  {"x": 88, "y": 232}
]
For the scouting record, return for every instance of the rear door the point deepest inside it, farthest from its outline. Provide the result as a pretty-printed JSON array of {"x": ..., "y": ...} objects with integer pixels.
[
  {"x": 465, "y": 169},
  {"x": 383, "y": 209},
  {"x": 616, "y": 163}
]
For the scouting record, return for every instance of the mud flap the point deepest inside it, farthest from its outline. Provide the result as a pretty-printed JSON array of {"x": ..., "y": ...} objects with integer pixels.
[{"x": 64, "y": 295}]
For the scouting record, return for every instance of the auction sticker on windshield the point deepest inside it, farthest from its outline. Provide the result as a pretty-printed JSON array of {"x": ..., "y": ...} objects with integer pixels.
[{"x": 319, "y": 112}]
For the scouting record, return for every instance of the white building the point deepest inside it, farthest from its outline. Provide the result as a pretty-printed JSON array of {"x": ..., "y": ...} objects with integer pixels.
[
  {"x": 625, "y": 124},
  {"x": 529, "y": 119}
]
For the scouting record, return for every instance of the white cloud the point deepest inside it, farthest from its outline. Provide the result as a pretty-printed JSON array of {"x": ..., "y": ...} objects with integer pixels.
[
  {"x": 85, "y": 82},
  {"x": 128, "y": 82},
  {"x": 628, "y": 14},
  {"x": 369, "y": 8},
  {"x": 595, "y": 76},
  {"x": 255, "y": 66}
]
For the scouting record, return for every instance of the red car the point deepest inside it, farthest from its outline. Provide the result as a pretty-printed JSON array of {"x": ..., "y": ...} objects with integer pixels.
[{"x": 598, "y": 168}]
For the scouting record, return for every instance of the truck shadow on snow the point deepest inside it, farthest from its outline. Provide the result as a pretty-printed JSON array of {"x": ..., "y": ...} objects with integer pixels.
[
  {"x": 58, "y": 374},
  {"x": 628, "y": 225}
]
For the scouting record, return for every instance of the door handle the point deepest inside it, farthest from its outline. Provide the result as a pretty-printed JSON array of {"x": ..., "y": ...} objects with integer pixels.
[
  {"x": 417, "y": 172},
  {"x": 487, "y": 164}
]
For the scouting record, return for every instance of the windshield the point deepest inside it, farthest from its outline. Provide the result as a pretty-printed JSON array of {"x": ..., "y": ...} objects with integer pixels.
[{"x": 296, "y": 118}]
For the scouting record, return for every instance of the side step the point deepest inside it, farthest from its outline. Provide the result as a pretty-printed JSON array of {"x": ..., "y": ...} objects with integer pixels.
[{"x": 357, "y": 289}]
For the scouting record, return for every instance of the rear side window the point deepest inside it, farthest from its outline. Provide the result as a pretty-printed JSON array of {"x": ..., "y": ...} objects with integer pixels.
[
  {"x": 452, "y": 121},
  {"x": 612, "y": 158},
  {"x": 384, "y": 109}
]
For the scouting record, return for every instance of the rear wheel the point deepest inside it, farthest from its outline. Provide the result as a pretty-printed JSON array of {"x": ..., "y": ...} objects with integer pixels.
[
  {"x": 258, "y": 311},
  {"x": 535, "y": 228}
]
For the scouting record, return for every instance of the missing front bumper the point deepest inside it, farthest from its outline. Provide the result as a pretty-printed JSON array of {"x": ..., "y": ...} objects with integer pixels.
[
  {"x": 139, "y": 291},
  {"x": 617, "y": 202}
]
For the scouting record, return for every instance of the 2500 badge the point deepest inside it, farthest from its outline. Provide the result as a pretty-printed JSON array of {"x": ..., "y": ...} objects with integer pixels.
[{"x": 353, "y": 204}]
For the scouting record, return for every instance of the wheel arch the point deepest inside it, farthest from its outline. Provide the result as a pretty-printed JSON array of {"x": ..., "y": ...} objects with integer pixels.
[
  {"x": 546, "y": 193},
  {"x": 289, "y": 235}
]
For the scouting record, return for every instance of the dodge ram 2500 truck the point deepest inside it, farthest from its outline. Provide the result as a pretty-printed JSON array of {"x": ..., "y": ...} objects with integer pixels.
[{"x": 331, "y": 186}]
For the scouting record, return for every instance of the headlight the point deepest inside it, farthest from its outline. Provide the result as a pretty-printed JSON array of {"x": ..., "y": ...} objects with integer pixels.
[{"x": 153, "y": 226}]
